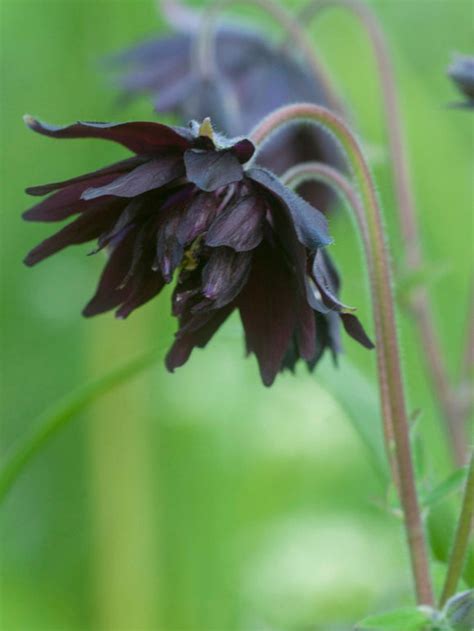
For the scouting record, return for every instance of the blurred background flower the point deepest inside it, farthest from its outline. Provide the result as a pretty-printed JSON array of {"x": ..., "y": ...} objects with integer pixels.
[{"x": 255, "y": 75}]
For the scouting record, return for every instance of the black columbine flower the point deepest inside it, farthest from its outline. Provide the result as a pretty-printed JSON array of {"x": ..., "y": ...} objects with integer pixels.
[
  {"x": 255, "y": 77},
  {"x": 461, "y": 72},
  {"x": 236, "y": 237}
]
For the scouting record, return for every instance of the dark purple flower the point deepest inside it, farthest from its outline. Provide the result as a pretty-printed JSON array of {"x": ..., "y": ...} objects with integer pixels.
[
  {"x": 237, "y": 238},
  {"x": 255, "y": 76},
  {"x": 461, "y": 72}
]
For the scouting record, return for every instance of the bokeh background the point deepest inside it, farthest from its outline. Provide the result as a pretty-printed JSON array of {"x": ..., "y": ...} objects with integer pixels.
[{"x": 203, "y": 501}]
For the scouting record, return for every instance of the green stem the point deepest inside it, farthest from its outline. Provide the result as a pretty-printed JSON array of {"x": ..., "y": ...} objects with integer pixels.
[
  {"x": 205, "y": 57},
  {"x": 390, "y": 374},
  {"x": 461, "y": 539},
  {"x": 420, "y": 303},
  {"x": 53, "y": 420}
]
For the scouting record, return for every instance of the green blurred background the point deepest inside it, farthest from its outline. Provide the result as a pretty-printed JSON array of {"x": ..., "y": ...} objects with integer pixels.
[{"x": 203, "y": 501}]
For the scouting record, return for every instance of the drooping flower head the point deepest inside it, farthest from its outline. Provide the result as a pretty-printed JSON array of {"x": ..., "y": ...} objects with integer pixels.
[
  {"x": 189, "y": 204},
  {"x": 254, "y": 77},
  {"x": 461, "y": 72}
]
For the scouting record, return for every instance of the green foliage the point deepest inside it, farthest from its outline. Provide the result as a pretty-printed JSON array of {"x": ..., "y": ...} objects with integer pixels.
[
  {"x": 444, "y": 489},
  {"x": 407, "y": 619}
]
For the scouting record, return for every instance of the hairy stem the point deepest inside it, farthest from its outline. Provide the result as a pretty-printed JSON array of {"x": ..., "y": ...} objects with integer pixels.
[
  {"x": 420, "y": 302},
  {"x": 55, "y": 419},
  {"x": 390, "y": 375},
  {"x": 461, "y": 539},
  {"x": 320, "y": 172},
  {"x": 205, "y": 56}
]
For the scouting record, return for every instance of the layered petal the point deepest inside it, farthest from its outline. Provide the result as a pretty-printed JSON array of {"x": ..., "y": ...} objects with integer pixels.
[
  {"x": 110, "y": 291},
  {"x": 92, "y": 177},
  {"x": 211, "y": 170},
  {"x": 152, "y": 175},
  {"x": 268, "y": 309},
  {"x": 139, "y": 137},
  {"x": 184, "y": 344},
  {"x": 355, "y": 329},
  {"x": 224, "y": 275},
  {"x": 85, "y": 228},
  {"x": 239, "y": 225},
  {"x": 66, "y": 202},
  {"x": 310, "y": 224}
]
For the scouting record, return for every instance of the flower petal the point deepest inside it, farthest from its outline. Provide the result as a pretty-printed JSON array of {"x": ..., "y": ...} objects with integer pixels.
[
  {"x": 310, "y": 224},
  {"x": 139, "y": 137},
  {"x": 239, "y": 225},
  {"x": 111, "y": 170},
  {"x": 224, "y": 275},
  {"x": 110, "y": 292},
  {"x": 169, "y": 251},
  {"x": 85, "y": 228},
  {"x": 66, "y": 202},
  {"x": 355, "y": 329},
  {"x": 211, "y": 170},
  {"x": 306, "y": 330},
  {"x": 327, "y": 281},
  {"x": 151, "y": 175},
  {"x": 145, "y": 285},
  {"x": 196, "y": 218},
  {"x": 184, "y": 344},
  {"x": 268, "y": 310}
]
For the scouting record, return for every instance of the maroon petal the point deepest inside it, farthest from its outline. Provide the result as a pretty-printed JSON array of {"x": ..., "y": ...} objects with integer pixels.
[
  {"x": 139, "y": 137},
  {"x": 112, "y": 169},
  {"x": 66, "y": 202},
  {"x": 87, "y": 227},
  {"x": 151, "y": 175},
  {"x": 268, "y": 310},
  {"x": 306, "y": 331},
  {"x": 244, "y": 150},
  {"x": 110, "y": 291},
  {"x": 355, "y": 329},
  {"x": 211, "y": 170},
  {"x": 184, "y": 344},
  {"x": 310, "y": 224},
  {"x": 239, "y": 226},
  {"x": 225, "y": 274},
  {"x": 196, "y": 217},
  {"x": 145, "y": 285},
  {"x": 327, "y": 281},
  {"x": 169, "y": 251},
  {"x": 127, "y": 217}
]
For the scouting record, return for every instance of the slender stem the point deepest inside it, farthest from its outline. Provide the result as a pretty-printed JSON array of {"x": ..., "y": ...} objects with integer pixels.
[
  {"x": 205, "y": 56},
  {"x": 461, "y": 539},
  {"x": 420, "y": 302},
  {"x": 310, "y": 171},
  {"x": 392, "y": 390},
  {"x": 53, "y": 420}
]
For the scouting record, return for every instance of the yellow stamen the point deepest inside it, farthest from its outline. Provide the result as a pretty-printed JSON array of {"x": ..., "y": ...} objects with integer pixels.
[{"x": 205, "y": 129}]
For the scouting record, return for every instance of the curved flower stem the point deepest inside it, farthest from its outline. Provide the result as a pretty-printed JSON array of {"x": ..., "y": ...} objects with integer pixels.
[
  {"x": 420, "y": 302},
  {"x": 320, "y": 172},
  {"x": 206, "y": 40},
  {"x": 390, "y": 375},
  {"x": 461, "y": 539},
  {"x": 53, "y": 420}
]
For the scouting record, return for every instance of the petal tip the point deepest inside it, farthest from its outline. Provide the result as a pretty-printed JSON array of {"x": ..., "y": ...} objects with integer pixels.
[
  {"x": 30, "y": 259},
  {"x": 30, "y": 121}
]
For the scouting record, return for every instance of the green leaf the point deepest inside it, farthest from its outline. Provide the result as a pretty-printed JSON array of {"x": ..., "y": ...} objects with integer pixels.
[
  {"x": 406, "y": 619},
  {"x": 451, "y": 484},
  {"x": 53, "y": 420}
]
